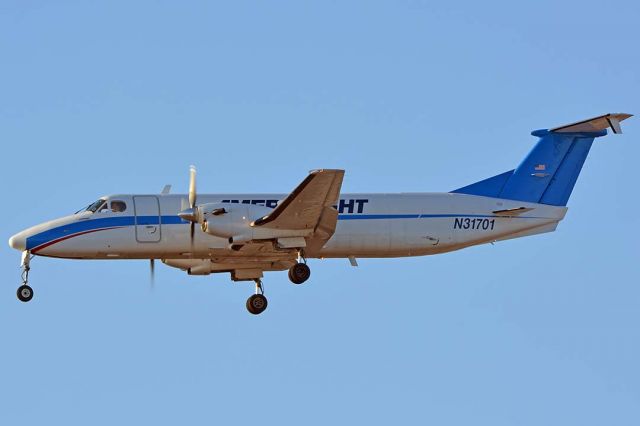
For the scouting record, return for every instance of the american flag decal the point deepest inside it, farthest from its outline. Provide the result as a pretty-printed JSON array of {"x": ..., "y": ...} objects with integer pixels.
[{"x": 541, "y": 167}]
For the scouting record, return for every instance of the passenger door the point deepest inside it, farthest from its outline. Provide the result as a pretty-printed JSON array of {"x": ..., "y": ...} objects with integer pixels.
[{"x": 148, "y": 225}]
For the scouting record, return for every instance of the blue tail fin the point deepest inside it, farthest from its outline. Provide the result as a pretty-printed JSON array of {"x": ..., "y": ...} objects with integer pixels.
[{"x": 548, "y": 174}]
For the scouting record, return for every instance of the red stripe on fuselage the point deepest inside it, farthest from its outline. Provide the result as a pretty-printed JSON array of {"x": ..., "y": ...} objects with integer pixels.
[{"x": 52, "y": 242}]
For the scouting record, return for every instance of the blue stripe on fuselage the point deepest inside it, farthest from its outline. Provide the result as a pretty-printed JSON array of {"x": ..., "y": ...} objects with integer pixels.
[{"x": 93, "y": 224}]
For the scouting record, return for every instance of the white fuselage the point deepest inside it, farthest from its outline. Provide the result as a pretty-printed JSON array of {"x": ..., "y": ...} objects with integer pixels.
[{"x": 369, "y": 225}]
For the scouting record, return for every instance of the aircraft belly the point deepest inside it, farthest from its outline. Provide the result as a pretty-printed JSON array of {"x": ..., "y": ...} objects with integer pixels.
[{"x": 388, "y": 238}]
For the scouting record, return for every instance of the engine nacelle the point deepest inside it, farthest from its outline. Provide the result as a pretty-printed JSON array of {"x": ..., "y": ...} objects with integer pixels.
[{"x": 230, "y": 220}]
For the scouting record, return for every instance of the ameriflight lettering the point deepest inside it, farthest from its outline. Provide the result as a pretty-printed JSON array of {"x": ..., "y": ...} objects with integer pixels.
[{"x": 348, "y": 205}]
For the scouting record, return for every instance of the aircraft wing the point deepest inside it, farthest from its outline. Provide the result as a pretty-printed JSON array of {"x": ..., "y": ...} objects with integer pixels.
[{"x": 310, "y": 205}]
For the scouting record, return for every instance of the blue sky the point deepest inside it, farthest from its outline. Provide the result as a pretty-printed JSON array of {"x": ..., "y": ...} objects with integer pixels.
[{"x": 111, "y": 97}]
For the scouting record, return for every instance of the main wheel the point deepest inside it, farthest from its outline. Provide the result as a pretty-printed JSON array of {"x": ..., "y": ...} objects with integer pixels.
[
  {"x": 256, "y": 304},
  {"x": 299, "y": 273},
  {"x": 25, "y": 293}
]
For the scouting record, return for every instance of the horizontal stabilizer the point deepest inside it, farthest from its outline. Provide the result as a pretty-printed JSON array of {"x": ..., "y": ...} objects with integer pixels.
[
  {"x": 512, "y": 212},
  {"x": 595, "y": 124}
]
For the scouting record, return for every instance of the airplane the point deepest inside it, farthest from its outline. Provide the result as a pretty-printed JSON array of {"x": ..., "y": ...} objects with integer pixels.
[{"x": 246, "y": 235}]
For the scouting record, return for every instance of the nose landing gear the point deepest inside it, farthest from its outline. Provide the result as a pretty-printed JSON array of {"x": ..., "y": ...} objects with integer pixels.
[{"x": 25, "y": 293}]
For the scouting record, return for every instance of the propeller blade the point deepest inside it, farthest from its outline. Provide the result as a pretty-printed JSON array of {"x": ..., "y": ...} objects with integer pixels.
[
  {"x": 192, "y": 214},
  {"x": 192, "y": 186},
  {"x": 152, "y": 270},
  {"x": 192, "y": 234}
]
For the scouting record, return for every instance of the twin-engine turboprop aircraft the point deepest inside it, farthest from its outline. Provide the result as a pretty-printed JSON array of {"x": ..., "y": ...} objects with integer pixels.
[{"x": 246, "y": 235}]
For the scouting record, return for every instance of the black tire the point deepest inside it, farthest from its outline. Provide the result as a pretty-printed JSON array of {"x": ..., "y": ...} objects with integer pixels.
[
  {"x": 299, "y": 273},
  {"x": 25, "y": 293},
  {"x": 256, "y": 304}
]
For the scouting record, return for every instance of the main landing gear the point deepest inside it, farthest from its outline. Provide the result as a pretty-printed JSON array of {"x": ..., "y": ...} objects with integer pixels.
[
  {"x": 25, "y": 293},
  {"x": 299, "y": 273},
  {"x": 257, "y": 303}
]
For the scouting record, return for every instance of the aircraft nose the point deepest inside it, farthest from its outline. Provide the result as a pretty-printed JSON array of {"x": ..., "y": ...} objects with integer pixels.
[{"x": 18, "y": 241}]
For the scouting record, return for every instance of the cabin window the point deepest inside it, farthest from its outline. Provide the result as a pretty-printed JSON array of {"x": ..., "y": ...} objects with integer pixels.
[{"x": 118, "y": 206}]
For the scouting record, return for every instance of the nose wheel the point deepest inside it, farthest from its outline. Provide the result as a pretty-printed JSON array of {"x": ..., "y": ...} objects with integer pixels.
[
  {"x": 257, "y": 303},
  {"x": 25, "y": 292}
]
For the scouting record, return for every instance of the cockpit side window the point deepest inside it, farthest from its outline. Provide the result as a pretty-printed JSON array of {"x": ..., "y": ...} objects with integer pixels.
[
  {"x": 95, "y": 206},
  {"x": 118, "y": 206}
]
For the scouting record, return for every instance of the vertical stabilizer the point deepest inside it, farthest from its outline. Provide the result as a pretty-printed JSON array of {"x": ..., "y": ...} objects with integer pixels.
[
  {"x": 547, "y": 175},
  {"x": 549, "y": 172}
]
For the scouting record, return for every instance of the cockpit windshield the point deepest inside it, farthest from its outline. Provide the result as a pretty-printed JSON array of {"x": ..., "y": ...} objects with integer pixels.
[{"x": 93, "y": 207}]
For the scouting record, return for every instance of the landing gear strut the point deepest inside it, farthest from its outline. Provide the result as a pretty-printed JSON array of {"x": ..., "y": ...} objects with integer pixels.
[
  {"x": 257, "y": 303},
  {"x": 25, "y": 293}
]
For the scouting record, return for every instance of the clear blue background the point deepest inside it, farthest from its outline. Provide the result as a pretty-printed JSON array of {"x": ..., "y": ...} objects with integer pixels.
[{"x": 99, "y": 98}]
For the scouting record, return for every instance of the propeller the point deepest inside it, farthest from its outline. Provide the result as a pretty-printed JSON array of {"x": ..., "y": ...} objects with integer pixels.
[
  {"x": 190, "y": 214},
  {"x": 192, "y": 201}
]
